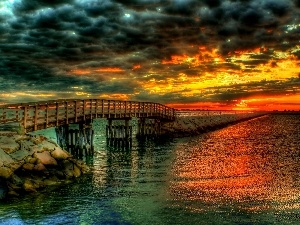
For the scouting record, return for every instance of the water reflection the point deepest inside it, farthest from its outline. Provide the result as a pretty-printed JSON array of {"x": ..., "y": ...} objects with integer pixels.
[
  {"x": 244, "y": 174},
  {"x": 253, "y": 166}
]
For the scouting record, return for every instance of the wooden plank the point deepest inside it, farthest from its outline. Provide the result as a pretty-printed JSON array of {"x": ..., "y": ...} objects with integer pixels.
[
  {"x": 84, "y": 109},
  {"x": 96, "y": 109},
  {"x": 114, "y": 105},
  {"x": 75, "y": 111},
  {"x": 125, "y": 110},
  {"x": 35, "y": 117},
  {"x": 91, "y": 109},
  {"x": 108, "y": 109},
  {"x": 67, "y": 112},
  {"x": 57, "y": 115}
]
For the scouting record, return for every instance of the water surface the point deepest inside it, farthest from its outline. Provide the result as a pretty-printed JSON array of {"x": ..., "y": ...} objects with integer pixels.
[{"x": 247, "y": 173}]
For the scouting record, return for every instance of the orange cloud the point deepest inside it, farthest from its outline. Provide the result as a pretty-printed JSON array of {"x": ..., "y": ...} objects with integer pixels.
[
  {"x": 138, "y": 66},
  {"x": 110, "y": 70},
  {"x": 81, "y": 71}
]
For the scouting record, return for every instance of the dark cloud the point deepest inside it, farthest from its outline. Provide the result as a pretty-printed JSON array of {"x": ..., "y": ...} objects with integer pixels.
[
  {"x": 213, "y": 3},
  {"x": 43, "y": 40},
  {"x": 26, "y": 6}
]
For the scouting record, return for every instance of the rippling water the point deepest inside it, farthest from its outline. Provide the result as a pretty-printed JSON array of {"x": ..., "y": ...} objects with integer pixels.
[{"x": 243, "y": 174}]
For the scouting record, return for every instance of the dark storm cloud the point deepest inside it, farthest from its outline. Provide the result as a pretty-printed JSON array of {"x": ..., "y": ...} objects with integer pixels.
[
  {"x": 38, "y": 78},
  {"x": 26, "y": 6},
  {"x": 42, "y": 39}
]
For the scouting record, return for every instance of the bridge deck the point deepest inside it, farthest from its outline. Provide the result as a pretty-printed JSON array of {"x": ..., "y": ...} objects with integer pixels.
[{"x": 41, "y": 115}]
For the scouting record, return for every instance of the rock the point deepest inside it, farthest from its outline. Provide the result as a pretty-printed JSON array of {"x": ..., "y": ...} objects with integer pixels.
[
  {"x": 5, "y": 159},
  {"x": 16, "y": 180},
  {"x": 52, "y": 181},
  {"x": 30, "y": 159},
  {"x": 21, "y": 154},
  {"x": 29, "y": 186},
  {"x": 16, "y": 165},
  {"x": 28, "y": 166},
  {"x": 8, "y": 144},
  {"x": 68, "y": 171},
  {"x": 60, "y": 154},
  {"x": 37, "y": 139},
  {"x": 49, "y": 146},
  {"x": 13, "y": 193},
  {"x": 19, "y": 137},
  {"x": 5, "y": 172},
  {"x": 39, "y": 182},
  {"x": 80, "y": 164},
  {"x": 14, "y": 187},
  {"x": 45, "y": 158},
  {"x": 76, "y": 171},
  {"x": 26, "y": 145},
  {"x": 39, "y": 167}
]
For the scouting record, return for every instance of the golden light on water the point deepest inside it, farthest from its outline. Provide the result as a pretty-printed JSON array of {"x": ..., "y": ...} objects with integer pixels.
[{"x": 236, "y": 168}]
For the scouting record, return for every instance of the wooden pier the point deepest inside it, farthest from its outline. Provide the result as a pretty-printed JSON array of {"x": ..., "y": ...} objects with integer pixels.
[
  {"x": 60, "y": 113},
  {"x": 41, "y": 115}
]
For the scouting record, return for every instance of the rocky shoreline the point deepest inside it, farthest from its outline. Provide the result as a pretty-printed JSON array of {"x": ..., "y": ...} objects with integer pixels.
[
  {"x": 29, "y": 163},
  {"x": 194, "y": 125}
]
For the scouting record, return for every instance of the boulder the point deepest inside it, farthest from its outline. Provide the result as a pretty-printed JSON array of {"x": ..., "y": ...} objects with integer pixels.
[
  {"x": 76, "y": 171},
  {"x": 16, "y": 180},
  {"x": 29, "y": 185},
  {"x": 80, "y": 164},
  {"x": 45, "y": 158},
  {"x": 16, "y": 165},
  {"x": 52, "y": 181},
  {"x": 8, "y": 144},
  {"x": 5, "y": 172},
  {"x": 5, "y": 159},
  {"x": 30, "y": 159},
  {"x": 21, "y": 154},
  {"x": 19, "y": 137},
  {"x": 28, "y": 166},
  {"x": 13, "y": 193},
  {"x": 49, "y": 146},
  {"x": 68, "y": 168},
  {"x": 60, "y": 154},
  {"x": 26, "y": 145},
  {"x": 14, "y": 187},
  {"x": 39, "y": 167},
  {"x": 37, "y": 139}
]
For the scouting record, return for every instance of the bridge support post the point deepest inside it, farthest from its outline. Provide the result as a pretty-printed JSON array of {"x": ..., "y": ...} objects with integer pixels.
[
  {"x": 119, "y": 136},
  {"x": 76, "y": 138},
  {"x": 150, "y": 128}
]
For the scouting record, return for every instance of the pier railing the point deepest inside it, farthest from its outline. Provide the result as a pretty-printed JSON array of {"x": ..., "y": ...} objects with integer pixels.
[{"x": 40, "y": 115}]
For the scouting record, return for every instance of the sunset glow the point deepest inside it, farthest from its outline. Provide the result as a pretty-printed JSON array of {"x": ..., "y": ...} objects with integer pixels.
[{"x": 181, "y": 53}]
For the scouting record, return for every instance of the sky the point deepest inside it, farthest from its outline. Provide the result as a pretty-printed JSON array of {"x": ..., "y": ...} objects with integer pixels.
[{"x": 196, "y": 54}]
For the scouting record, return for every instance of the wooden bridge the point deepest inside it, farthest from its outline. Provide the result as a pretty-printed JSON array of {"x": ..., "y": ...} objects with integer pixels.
[
  {"x": 41, "y": 115},
  {"x": 60, "y": 113}
]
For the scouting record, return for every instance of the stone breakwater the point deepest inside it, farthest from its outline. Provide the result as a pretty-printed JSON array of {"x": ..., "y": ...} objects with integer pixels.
[
  {"x": 29, "y": 163},
  {"x": 193, "y": 125}
]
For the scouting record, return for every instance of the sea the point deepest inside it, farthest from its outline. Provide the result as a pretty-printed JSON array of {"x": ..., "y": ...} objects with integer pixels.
[{"x": 247, "y": 173}]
